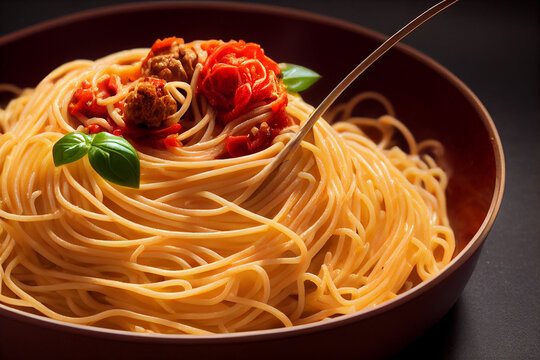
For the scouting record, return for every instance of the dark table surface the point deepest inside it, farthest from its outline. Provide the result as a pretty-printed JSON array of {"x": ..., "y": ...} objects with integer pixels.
[{"x": 493, "y": 47}]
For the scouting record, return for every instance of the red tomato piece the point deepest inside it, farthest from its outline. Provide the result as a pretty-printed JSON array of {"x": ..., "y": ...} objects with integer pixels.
[
  {"x": 172, "y": 141},
  {"x": 84, "y": 100},
  {"x": 94, "y": 128},
  {"x": 237, "y": 145}
]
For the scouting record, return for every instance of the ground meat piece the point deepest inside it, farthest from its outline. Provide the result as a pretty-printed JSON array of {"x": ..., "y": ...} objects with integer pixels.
[
  {"x": 175, "y": 63},
  {"x": 165, "y": 67},
  {"x": 189, "y": 60},
  {"x": 148, "y": 105}
]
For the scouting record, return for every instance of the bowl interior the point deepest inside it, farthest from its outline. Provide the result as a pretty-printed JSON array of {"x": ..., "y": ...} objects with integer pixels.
[{"x": 429, "y": 100}]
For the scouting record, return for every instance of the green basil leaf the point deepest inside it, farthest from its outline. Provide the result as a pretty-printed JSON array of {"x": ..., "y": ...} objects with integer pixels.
[
  {"x": 297, "y": 78},
  {"x": 71, "y": 147},
  {"x": 115, "y": 160}
]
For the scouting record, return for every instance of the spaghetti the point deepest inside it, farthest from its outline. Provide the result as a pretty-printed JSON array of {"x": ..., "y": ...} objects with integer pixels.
[{"x": 348, "y": 223}]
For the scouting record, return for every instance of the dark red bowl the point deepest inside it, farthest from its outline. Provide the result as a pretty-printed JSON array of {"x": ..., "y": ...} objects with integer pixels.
[{"x": 431, "y": 101}]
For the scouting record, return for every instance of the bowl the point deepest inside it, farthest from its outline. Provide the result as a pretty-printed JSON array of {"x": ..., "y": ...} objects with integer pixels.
[{"x": 431, "y": 101}]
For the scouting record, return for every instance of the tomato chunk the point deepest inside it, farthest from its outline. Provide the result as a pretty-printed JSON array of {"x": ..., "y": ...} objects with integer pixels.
[{"x": 84, "y": 100}]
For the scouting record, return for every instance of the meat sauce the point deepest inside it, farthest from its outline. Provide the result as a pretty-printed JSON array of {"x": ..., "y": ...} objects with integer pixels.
[{"x": 235, "y": 78}]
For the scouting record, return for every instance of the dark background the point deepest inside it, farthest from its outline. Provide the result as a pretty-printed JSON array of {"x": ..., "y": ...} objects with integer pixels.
[{"x": 493, "y": 47}]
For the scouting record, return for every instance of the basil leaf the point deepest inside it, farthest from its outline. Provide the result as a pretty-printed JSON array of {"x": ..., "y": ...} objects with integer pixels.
[
  {"x": 297, "y": 78},
  {"x": 115, "y": 160},
  {"x": 71, "y": 147}
]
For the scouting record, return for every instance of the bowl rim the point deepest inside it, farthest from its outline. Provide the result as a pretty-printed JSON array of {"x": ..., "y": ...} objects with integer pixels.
[{"x": 473, "y": 245}]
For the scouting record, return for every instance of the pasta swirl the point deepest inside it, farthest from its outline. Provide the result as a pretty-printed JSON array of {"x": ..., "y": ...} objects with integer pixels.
[{"x": 346, "y": 224}]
